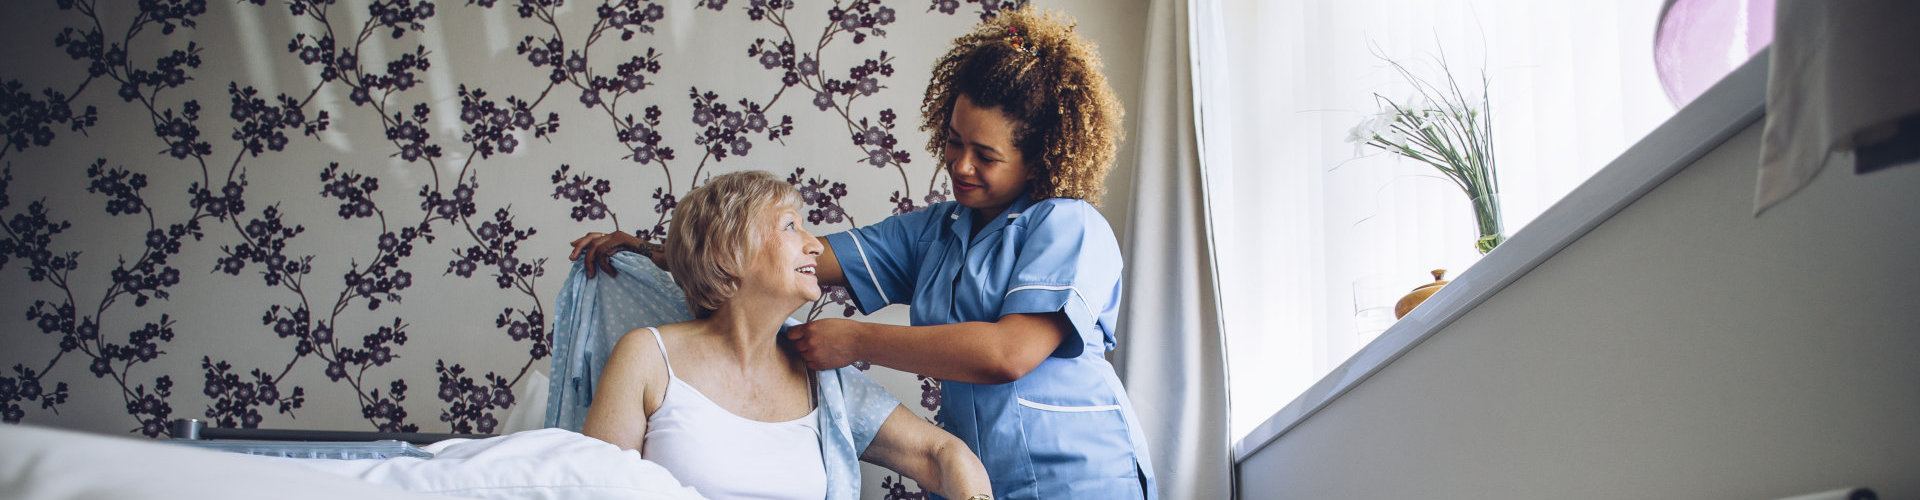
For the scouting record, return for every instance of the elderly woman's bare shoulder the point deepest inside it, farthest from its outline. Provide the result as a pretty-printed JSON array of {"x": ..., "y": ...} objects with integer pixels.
[{"x": 640, "y": 347}]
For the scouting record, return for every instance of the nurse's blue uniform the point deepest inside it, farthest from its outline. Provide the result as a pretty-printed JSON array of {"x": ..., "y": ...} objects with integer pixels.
[{"x": 1066, "y": 429}]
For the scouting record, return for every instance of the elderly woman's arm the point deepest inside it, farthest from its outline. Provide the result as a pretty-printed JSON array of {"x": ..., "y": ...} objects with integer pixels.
[
  {"x": 618, "y": 414},
  {"x": 931, "y": 456}
]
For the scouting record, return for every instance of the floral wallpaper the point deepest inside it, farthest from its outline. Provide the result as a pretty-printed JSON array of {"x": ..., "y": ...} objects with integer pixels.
[{"x": 353, "y": 214}]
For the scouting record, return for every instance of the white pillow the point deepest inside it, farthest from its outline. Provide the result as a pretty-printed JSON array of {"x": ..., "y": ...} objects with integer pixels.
[
  {"x": 530, "y": 404},
  {"x": 531, "y": 465}
]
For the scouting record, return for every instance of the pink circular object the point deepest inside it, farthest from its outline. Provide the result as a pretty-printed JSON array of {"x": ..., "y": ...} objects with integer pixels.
[{"x": 1700, "y": 41}]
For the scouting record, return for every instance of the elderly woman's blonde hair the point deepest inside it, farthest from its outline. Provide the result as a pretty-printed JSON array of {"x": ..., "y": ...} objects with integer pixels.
[{"x": 717, "y": 229}]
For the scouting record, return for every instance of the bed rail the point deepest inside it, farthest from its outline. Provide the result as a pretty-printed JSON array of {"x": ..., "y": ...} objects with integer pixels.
[{"x": 196, "y": 429}]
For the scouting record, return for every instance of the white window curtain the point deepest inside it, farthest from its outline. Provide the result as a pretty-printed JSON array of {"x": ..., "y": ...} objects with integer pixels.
[
  {"x": 1172, "y": 359},
  {"x": 1305, "y": 233}
]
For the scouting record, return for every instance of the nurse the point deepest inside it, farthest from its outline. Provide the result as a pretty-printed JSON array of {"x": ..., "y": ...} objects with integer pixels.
[{"x": 1013, "y": 288}]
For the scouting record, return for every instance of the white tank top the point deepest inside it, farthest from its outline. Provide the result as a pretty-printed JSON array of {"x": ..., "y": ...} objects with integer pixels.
[{"x": 727, "y": 456}]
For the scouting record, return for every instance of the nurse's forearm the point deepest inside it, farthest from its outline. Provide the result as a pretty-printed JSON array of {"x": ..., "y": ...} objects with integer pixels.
[
  {"x": 975, "y": 352},
  {"x": 827, "y": 268}
]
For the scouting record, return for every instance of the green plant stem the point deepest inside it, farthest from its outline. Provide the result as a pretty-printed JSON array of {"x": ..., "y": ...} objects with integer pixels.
[{"x": 1453, "y": 137}]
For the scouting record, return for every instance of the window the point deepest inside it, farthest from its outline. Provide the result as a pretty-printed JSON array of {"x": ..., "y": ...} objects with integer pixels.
[{"x": 1309, "y": 235}]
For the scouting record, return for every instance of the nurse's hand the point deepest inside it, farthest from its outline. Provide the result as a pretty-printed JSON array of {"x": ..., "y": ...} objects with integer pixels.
[
  {"x": 827, "y": 344},
  {"x": 598, "y": 249}
]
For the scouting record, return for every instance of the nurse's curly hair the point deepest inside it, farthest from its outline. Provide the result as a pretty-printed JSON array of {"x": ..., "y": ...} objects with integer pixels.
[{"x": 1032, "y": 66}]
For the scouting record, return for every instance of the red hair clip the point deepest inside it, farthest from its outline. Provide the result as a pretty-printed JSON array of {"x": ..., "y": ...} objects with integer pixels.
[{"x": 1013, "y": 37}]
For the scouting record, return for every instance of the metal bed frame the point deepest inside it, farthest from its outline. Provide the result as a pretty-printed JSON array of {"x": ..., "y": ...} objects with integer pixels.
[
  {"x": 290, "y": 443},
  {"x": 196, "y": 429}
]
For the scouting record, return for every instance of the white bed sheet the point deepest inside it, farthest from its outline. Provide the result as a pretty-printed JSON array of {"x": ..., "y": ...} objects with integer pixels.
[
  {"x": 542, "y": 464},
  {"x": 38, "y": 463}
]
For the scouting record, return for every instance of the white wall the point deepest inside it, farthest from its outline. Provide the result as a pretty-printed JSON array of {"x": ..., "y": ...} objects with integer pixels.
[{"x": 1682, "y": 349}]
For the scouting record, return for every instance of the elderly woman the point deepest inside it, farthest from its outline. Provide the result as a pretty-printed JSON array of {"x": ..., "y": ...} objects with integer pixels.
[{"x": 718, "y": 400}]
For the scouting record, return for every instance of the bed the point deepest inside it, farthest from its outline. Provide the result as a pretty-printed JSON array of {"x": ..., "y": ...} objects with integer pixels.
[
  {"x": 552, "y": 462},
  {"x": 51, "y": 464}
]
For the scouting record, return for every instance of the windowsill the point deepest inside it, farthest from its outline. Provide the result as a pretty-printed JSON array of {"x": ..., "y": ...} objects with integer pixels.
[{"x": 1729, "y": 107}]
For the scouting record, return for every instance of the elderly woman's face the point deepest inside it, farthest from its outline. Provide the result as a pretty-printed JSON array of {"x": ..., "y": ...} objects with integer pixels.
[
  {"x": 786, "y": 259},
  {"x": 988, "y": 172}
]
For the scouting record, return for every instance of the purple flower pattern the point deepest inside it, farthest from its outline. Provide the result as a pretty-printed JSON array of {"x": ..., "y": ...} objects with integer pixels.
[
  {"x": 988, "y": 8},
  {"x": 470, "y": 402},
  {"x": 235, "y": 399},
  {"x": 253, "y": 233}
]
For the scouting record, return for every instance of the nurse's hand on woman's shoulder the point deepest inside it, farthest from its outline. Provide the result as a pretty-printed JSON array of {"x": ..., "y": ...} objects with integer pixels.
[
  {"x": 598, "y": 249},
  {"x": 826, "y": 344}
]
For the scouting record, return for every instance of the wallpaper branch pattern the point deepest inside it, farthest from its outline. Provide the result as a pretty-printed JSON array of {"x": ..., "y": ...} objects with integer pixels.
[{"x": 335, "y": 257}]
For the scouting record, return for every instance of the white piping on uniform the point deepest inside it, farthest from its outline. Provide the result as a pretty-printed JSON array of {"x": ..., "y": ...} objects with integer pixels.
[
  {"x": 1083, "y": 298},
  {"x": 863, "y": 261},
  {"x": 1069, "y": 409}
]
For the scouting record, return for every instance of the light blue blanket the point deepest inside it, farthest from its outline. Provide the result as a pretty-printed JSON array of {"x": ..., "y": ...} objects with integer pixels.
[{"x": 591, "y": 315}]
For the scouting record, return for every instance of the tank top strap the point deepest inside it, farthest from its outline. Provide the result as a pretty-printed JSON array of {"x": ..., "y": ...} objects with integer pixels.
[{"x": 663, "y": 351}]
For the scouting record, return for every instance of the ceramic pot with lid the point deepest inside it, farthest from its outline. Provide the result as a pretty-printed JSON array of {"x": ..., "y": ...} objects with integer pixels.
[{"x": 1419, "y": 294}]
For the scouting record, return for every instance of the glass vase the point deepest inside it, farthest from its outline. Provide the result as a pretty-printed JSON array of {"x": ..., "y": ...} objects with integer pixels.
[{"x": 1486, "y": 215}]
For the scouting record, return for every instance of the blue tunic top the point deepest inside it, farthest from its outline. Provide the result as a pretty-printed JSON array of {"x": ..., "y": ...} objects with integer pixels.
[{"x": 1066, "y": 429}]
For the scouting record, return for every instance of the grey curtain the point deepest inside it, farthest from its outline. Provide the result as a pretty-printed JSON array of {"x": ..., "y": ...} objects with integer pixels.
[{"x": 1174, "y": 360}]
